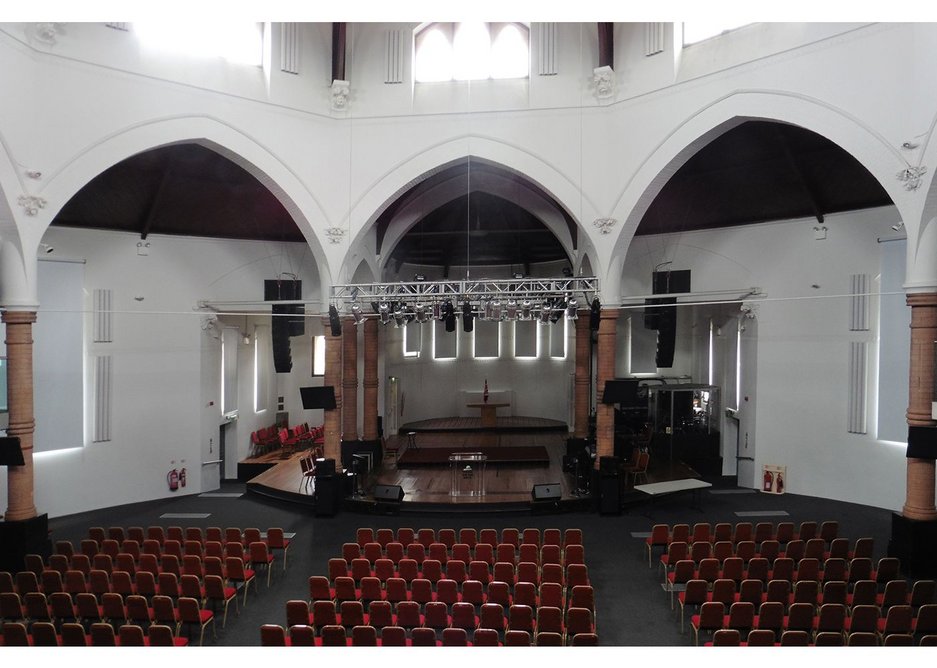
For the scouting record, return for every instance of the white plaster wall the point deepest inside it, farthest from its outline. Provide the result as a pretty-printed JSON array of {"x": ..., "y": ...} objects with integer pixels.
[
  {"x": 793, "y": 404},
  {"x": 166, "y": 368}
]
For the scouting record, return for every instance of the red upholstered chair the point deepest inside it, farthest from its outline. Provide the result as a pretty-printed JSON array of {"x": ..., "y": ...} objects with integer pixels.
[
  {"x": 409, "y": 615},
  {"x": 864, "y": 619},
  {"x": 432, "y": 570},
  {"x": 525, "y": 593},
  {"x": 371, "y": 590},
  {"x": 405, "y": 536},
  {"x": 237, "y": 573},
  {"x": 394, "y": 551},
  {"x": 102, "y": 635},
  {"x": 550, "y": 619},
  {"x": 505, "y": 553},
  {"x": 408, "y": 569},
  {"x": 799, "y": 617},
  {"x": 761, "y": 638},
  {"x": 426, "y": 537},
  {"x": 830, "y": 619},
  {"x": 350, "y": 551},
  {"x": 528, "y": 552},
  {"x": 548, "y": 639},
  {"x": 447, "y": 537},
  {"x": 551, "y": 554},
  {"x": 131, "y": 635},
  {"x": 323, "y": 614},
  {"x": 463, "y": 616},
  {"x": 421, "y": 591},
  {"x": 923, "y": 593},
  {"x": 725, "y": 638},
  {"x": 138, "y": 611},
  {"x": 273, "y": 635},
  {"x": 395, "y": 590},
  {"x": 488, "y": 537},
  {"x": 113, "y": 607},
  {"x": 585, "y": 640},
  {"x": 337, "y": 567},
  {"x": 372, "y": 552},
  {"x": 363, "y": 636},
  {"x": 360, "y": 569},
  {"x": 709, "y": 620},
  {"x": 218, "y": 594},
  {"x": 492, "y": 617},
  {"x": 473, "y": 592},
  {"x": 447, "y": 591},
  {"x": 455, "y": 570},
  {"x": 531, "y": 536},
  {"x": 439, "y": 552},
  {"x": 297, "y": 613},
  {"x": 478, "y": 570},
  {"x": 278, "y": 543},
  {"x": 895, "y": 593},
  {"x": 485, "y": 638},
  {"x": 517, "y": 638},
  {"x": 552, "y": 573},
  {"x": 511, "y": 536},
  {"x": 461, "y": 552},
  {"x": 192, "y": 565},
  {"x": 261, "y": 558},
  {"x": 583, "y": 596},
  {"x": 835, "y": 569},
  {"x": 352, "y": 614},
  {"x": 521, "y": 618},
  {"x": 741, "y": 617},
  {"x": 73, "y": 635},
  {"x": 345, "y": 590},
  {"x": 722, "y": 591},
  {"x": 423, "y": 637},
  {"x": 796, "y": 639},
  {"x": 396, "y": 636},
  {"x": 769, "y": 549},
  {"x": 898, "y": 619},
  {"x": 485, "y": 552},
  {"x": 384, "y": 536},
  {"x": 455, "y": 637},
  {"x": 784, "y": 532},
  {"x": 191, "y": 615},
  {"x": 363, "y": 536},
  {"x": 384, "y": 569},
  {"x": 333, "y": 635},
  {"x": 380, "y": 615},
  {"x": 660, "y": 537},
  {"x": 499, "y": 592},
  {"x": 319, "y": 589},
  {"x": 416, "y": 552},
  {"x": 695, "y": 593},
  {"x": 436, "y": 615},
  {"x": 528, "y": 572},
  {"x": 504, "y": 571},
  {"x": 468, "y": 536}
]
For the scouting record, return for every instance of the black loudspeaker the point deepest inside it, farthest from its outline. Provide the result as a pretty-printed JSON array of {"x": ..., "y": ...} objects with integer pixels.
[
  {"x": 10, "y": 452},
  {"x": 666, "y": 338},
  {"x": 570, "y": 464},
  {"x": 335, "y": 323},
  {"x": 287, "y": 290},
  {"x": 328, "y": 495},
  {"x": 609, "y": 466},
  {"x": 922, "y": 442},
  {"x": 548, "y": 492},
  {"x": 609, "y": 495},
  {"x": 380, "y": 426},
  {"x": 595, "y": 314},
  {"x": 325, "y": 468},
  {"x": 388, "y": 493},
  {"x": 282, "y": 357}
]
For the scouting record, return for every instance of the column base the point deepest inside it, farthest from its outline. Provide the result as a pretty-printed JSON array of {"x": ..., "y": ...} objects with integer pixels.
[
  {"x": 21, "y": 537},
  {"x": 914, "y": 542}
]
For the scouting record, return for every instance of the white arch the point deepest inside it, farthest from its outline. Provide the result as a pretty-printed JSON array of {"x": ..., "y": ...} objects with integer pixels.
[
  {"x": 402, "y": 176},
  {"x": 705, "y": 124},
  {"x": 17, "y": 277},
  {"x": 214, "y": 134}
]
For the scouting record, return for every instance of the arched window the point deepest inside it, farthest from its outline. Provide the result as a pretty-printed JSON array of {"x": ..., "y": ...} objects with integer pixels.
[
  {"x": 471, "y": 51},
  {"x": 234, "y": 40},
  {"x": 697, "y": 31}
]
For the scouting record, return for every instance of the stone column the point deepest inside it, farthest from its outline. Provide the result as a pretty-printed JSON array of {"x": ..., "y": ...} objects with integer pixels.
[
  {"x": 349, "y": 380},
  {"x": 919, "y": 500},
  {"x": 332, "y": 446},
  {"x": 19, "y": 343},
  {"x": 583, "y": 376},
  {"x": 370, "y": 379},
  {"x": 605, "y": 413}
]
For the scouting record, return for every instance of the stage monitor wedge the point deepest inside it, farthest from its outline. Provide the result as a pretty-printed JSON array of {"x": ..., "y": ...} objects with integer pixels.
[
  {"x": 388, "y": 493},
  {"x": 548, "y": 492},
  {"x": 318, "y": 397}
]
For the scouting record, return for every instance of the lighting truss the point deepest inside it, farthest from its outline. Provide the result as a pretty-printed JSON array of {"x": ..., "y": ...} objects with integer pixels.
[{"x": 477, "y": 294}]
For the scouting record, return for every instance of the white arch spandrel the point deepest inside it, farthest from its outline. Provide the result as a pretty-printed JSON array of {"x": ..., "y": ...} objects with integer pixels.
[
  {"x": 220, "y": 137},
  {"x": 705, "y": 124}
]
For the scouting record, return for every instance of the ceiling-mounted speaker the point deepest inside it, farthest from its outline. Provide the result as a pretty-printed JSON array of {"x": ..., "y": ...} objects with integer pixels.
[
  {"x": 292, "y": 314},
  {"x": 595, "y": 314},
  {"x": 335, "y": 323}
]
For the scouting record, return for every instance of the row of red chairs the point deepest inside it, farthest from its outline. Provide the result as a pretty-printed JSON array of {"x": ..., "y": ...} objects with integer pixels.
[
  {"x": 408, "y": 571},
  {"x": 438, "y": 616},
  {"x": 449, "y": 592},
  {"x": 97, "y": 537},
  {"x": 505, "y": 552},
  {"x": 865, "y": 592},
  {"x": 783, "y": 532},
  {"x": 273, "y": 635},
  {"x": 783, "y": 568},
  {"x": 469, "y": 536},
  {"x": 767, "y": 638},
  {"x": 744, "y": 617},
  {"x": 114, "y": 609},
  {"x": 771, "y": 549},
  {"x": 268, "y": 439},
  {"x": 45, "y": 634}
]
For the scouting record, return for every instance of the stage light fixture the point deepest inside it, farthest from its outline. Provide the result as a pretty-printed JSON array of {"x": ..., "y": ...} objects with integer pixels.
[
  {"x": 449, "y": 315},
  {"x": 437, "y": 311},
  {"x": 495, "y": 309},
  {"x": 421, "y": 313},
  {"x": 384, "y": 311},
  {"x": 487, "y": 311},
  {"x": 467, "y": 317},
  {"x": 399, "y": 318},
  {"x": 545, "y": 311},
  {"x": 559, "y": 307},
  {"x": 357, "y": 314},
  {"x": 525, "y": 309},
  {"x": 512, "y": 309},
  {"x": 571, "y": 307}
]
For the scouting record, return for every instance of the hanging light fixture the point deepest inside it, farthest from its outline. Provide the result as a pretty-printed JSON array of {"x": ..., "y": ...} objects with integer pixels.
[
  {"x": 495, "y": 309},
  {"x": 383, "y": 310},
  {"x": 571, "y": 307},
  {"x": 399, "y": 318},
  {"x": 525, "y": 309},
  {"x": 512, "y": 309},
  {"x": 545, "y": 311},
  {"x": 357, "y": 314},
  {"x": 421, "y": 313}
]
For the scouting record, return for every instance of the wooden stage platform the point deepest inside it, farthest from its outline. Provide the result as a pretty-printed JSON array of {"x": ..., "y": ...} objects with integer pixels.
[{"x": 427, "y": 487}]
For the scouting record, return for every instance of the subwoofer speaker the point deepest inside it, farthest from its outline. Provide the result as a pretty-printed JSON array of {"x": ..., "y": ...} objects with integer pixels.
[
  {"x": 388, "y": 493},
  {"x": 548, "y": 492}
]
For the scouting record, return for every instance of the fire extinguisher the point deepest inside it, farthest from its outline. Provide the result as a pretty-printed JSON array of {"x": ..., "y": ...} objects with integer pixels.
[
  {"x": 173, "y": 479},
  {"x": 769, "y": 481},
  {"x": 780, "y": 483},
  {"x": 182, "y": 478}
]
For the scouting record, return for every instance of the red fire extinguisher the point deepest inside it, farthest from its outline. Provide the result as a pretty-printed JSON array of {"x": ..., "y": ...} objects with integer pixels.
[
  {"x": 769, "y": 481},
  {"x": 780, "y": 483},
  {"x": 173, "y": 479},
  {"x": 182, "y": 477}
]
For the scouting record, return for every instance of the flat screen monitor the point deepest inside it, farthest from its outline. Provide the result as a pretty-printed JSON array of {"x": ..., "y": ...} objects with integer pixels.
[
  {"x": 318, "y": 397},
  {"x": 10, "y": 453},
  {"x": 623, "y": 392}
]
